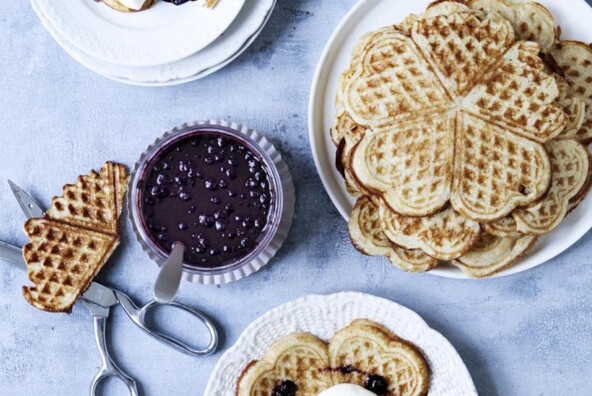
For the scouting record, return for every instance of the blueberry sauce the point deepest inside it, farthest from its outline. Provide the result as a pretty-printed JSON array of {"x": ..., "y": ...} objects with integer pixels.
[
  {"x": 178, "y": 2},
  {"x": 286, "y": 388},
  {"x": 210, "y": 192}
]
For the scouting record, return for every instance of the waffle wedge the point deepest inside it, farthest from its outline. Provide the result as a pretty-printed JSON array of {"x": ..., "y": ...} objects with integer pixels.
[
  {"x": 311, "y": 366},
  {"x": 482, "y": 132},
  {"x": 72, "y": 243},
  {"x": 366, "y": 234},
  {"x": 570, "y": 161},
  {"x": 493, "y": 254},
  {"x": 531, "y": 21},
  {"x": 300, "y": 358},
  {"x": 575, "y": 59},
  {"x": 369, "y": 348},
  {"x": 445, "y": 235}
]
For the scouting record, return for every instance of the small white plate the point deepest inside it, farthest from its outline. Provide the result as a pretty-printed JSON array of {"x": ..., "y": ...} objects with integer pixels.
[
  {"x": 323, "y": 316},
  {"x": 235, "y": 40},
  {"x": 162, "y": 34},
  {"x": 574, "y": 19}
]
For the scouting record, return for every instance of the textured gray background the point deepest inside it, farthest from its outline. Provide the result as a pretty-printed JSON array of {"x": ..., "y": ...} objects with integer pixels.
[{"x": 529, "y": 334}]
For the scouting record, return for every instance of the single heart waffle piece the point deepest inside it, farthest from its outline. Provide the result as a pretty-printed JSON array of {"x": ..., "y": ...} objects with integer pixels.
[
  {"x": 505, "y": 227},
  {"x": 367, "y": 236},
  {"x": 62, "y": 260},
  {"x": 95, "y": 201},
  {"x": 570, "y": 163},
  {"x": 366, "y": 348},
  {"x": 575, "y": 58},
  {"x": 301, "y": 359},
  {"x": 574, "y": 108},
  {"x": 488, "y": 105},
  {"x": 445, "y": 235},
  {"x": 493, "y": 254},
  {"x": 531, "y": 21}
]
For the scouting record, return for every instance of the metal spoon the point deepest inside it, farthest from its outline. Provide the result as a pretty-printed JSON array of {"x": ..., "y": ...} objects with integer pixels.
[{"x": 169, "y": 278}]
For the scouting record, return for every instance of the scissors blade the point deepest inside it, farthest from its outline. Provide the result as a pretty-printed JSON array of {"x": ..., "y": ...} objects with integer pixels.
[
  {"x": 28, "y": 204},
  {"x": 12, "y": 255}
]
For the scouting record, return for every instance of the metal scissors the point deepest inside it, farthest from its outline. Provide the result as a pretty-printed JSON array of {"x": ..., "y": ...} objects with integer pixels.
[{"x": 99, "y": 299}]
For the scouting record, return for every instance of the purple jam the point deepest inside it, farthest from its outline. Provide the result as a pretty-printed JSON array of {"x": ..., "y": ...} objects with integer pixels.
[{"x": 211, "y": 192}]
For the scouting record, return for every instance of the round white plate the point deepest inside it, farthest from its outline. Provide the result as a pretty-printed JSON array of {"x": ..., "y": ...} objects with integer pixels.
[
  {"x": 162, "y": 34},
  {"x": 323, "y": 316},
  {"x": 369, "y": 15},
  {"x": 235, "y": 40}
]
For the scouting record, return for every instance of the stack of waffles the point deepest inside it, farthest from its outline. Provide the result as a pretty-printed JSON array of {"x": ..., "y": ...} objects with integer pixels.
[
  {"x": 462, "y": 134},
  {"x": 71, "y": 244}
]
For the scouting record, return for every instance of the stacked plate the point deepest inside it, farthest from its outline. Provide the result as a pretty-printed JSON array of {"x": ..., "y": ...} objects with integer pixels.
[{"x": 164, "y": 45}]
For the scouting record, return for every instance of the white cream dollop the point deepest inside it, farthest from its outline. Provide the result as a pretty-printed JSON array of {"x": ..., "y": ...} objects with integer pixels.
[
  {"x": 133, "y": 4},
  {"x": 346, "y": 390}
]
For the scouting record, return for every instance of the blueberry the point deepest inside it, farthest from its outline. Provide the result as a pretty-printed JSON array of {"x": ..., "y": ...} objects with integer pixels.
[
  {"x": 183, "y": 226},
  {"x": 257, "y": 223},
  {"x": 237, "y": 218},
  {"x": 181, "y": 180},
  {"x": 263, "y": 198},
  {"x": 183, "y": 166},
  {"x": 253, "y": 194},
  {"x": 206, "y": 221},
  {"x": 252, "y": 163},
  {"x": 232, "y": 193},
  {"x": 219, "y": 157},
  {"x": 215, "y": 200},
  {"x": 231, "y": 173},
  {"x": 223, "y": 184},
  {"x": 209, "y": 160},
  {"x": 149, "y": 201},
  {"x": 210, "y": 185},
  {"x": 165, "y": 166},
  {"x": 214, "y": 252},
  {"x": 247, "y": 223},
  {"x": 211, "y": 149},
  {"x": 226, "y": 249},
  {"x": 191, "y": 210},
  {"x": 232, "y": 162},
  {"x": 286, "y": 388},
  {"x": 376, "y": 384},
  {"x": 243, "y": 196},
  {"x": 228, "y": 208},
  {"x": 220, "y": 214},
  {"x": 220, "y": 226},
  {"x": 160, "y": 179},
  {"x": 244, "y": 242},
  {"x": 184, "y": 196}
]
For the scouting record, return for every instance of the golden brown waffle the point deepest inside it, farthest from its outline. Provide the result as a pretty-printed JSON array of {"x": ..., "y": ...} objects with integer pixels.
[
  {"x": 367, "y": 236},
  {"x": 301, "y": 358},
  {"x": 492, "y": 254},
  {"x": 367, "y": 347},
  {"x": 116, "y": 5},
  {"x": 445, "y": 235},
  {"x": 574, "y": 108},
  {"x": 95, "y": 201},
  {"x": 531, "y": 21},
  {"x": 570, "y": 161},
  {"x": 62, "y": 261},
  {"x": 511, "y": 106},
  {"x": 70, "y": 246},
  {"x": 575, "y": 58},
  {"x": 372, "y": 349}
]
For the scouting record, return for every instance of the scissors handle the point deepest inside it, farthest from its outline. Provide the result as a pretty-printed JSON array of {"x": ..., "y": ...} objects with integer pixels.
[
  {"x": 138, "y": 316},
  {"x": 108, "y": 368}
]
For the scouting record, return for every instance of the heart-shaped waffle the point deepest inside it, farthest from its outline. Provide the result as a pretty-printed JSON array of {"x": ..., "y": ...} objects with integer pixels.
[
  {"x": 366, "y": 234},
  {"x": 445, "y": 235},
  {"x": 457, "y": 113},
  {"x": 299, "y": 358},
  {"x": 365, "y": 347},
  {"x": 361, "y": 351},
  {"x": 531, "y": 21}
]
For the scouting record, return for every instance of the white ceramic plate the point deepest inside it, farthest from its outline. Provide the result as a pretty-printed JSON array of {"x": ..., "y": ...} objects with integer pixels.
[
  {"x": 162, "y": 34},
  {"x": 323, "y": 316},
  {"x": 235, "y": 40},
  {"x": 369, "y": 15}
]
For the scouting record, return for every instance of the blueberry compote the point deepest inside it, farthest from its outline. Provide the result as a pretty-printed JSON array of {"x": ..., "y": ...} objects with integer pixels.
[{"x": 211, "y": 192}]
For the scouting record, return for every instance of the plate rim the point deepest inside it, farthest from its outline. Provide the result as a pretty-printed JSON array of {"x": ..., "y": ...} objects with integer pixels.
[
  {"x": 72, "y": 51},
  {"x": 316, "y": 110},
  {"x": 77, "y": 36},
  {"x": 239, "y": 347}
]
